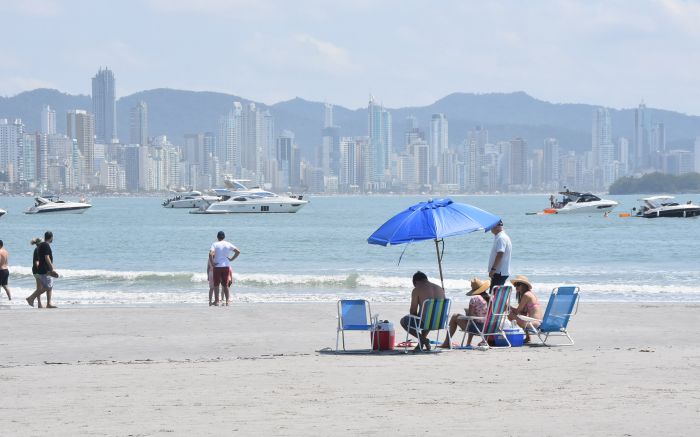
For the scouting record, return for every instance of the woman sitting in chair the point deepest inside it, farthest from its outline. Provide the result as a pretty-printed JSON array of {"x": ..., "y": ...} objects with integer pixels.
[
  {"x": 478, "y": 305},
  {"x": 528, "y": 304}
]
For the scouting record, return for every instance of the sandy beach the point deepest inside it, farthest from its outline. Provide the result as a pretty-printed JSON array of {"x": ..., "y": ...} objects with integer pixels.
[{"x": 255, "y": 369}]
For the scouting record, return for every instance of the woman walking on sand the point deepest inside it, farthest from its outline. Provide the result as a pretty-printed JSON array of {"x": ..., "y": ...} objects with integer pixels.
[{"x": 35, "y": 269}]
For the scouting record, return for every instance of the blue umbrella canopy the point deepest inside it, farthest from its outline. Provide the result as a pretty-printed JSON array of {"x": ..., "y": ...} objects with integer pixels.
[{"x": 433, "y": 220}]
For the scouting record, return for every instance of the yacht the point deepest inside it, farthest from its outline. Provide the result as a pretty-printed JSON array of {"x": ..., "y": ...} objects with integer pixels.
[
  {"x": 237, "y": 198},
  {"x": 574, "y": 202},
  {"x": 52, "y": 204},
  {"x": 189, "y": 199},
  {"x": 664, "y": 206}
]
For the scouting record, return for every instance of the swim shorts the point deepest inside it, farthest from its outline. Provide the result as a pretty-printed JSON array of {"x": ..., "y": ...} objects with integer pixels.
[{"x": 4, "y": 276}]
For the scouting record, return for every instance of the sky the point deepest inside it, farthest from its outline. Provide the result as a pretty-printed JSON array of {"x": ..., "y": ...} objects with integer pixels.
[{"x": 404, "y": 52}]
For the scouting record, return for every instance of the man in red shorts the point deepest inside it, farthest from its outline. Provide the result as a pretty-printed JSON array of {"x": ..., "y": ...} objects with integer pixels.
[{"x": 220, "y": 255}]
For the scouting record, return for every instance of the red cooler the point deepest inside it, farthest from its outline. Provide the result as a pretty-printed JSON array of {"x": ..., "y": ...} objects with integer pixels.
[{"x": 384, "y": 336}]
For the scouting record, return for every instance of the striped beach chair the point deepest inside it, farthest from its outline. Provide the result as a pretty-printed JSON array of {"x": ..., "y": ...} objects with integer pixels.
[
  {"x": 434, "y": 315},
  {"x": 497, "y": 312},
  {"x": 563, "y": 304}
]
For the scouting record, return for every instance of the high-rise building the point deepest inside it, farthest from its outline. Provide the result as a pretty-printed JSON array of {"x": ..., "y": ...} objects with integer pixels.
[
  {"x": 228, "y": 140},
  {"x": 518, "y": 162},
  {"x": 104, "y": 106},
  {"x": 11, "y": 142},
  {"x": 439, "y": 141},
  {"x": 48, "y": 120},
  {"x": 697, "y": 155},
  {"x": 380, "y": 140},
  {"x": 80, "y": 126},
  {"x": 285, "y": 160},
  {"x": 640, "y": 144},
  {"x": 550, "y": 163},
  {"x": 601, "y": 146},
  {"x": 327, "y": 115},
  {"x": 138, "y": 124}
]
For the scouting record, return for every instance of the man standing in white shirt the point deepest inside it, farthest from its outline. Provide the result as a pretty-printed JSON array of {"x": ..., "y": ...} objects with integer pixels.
[
  {"x": 220, "y": 257},
  {"x": 499, "y": 260}
]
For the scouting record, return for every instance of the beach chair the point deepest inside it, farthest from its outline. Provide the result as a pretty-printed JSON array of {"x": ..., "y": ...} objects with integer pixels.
[
  {"x": 433, "y": 317},
  {"x": 497, "y": 312},
  {"x": 563, "y": 304},
  {"x": 354, "y": 315}
]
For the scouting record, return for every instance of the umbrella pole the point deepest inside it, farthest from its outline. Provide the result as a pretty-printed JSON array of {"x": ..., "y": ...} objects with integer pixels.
[{"x": 437, "y": 250}]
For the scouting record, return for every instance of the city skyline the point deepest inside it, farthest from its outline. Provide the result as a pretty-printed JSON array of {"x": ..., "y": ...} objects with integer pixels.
[{"x": 605, "y": 53}]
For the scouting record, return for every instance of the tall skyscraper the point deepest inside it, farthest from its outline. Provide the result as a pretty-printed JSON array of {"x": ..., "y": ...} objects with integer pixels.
[
  {"x": 11, "y": 142},
  {"x": 80, "y": 126},
  {"x": 104, "y": 106},
  {"x": 48, "y": 120},
  {"x": 640, "y": 143},
  {"x": 327, "y": 115},
  {"x": 138, "y": 124},
  {"x": 439, "y": 140},
  {"x": 550, "y": 163},
  {"x": 380, "y": 140},
  {"x": 228, "y": 140},
  {"x": 601, "y": 145},
  {"x": 518, "y": 162}
]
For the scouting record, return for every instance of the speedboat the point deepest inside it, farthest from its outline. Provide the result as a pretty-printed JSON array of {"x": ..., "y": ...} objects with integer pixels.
[
  {"x": 574, "y": 202},
  {"x": 237, "y": 198},
  {"x": 189, "y": 199},
  {"x": 664, "y": 206},
  {"x": 53, "y": 204},
  {"x": 2, "y": 212}
]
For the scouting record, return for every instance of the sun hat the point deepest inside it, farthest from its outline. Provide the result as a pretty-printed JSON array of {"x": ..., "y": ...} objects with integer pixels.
[
  {"x": 478, "y": 286},
  {"x": 521, "y": 279}
]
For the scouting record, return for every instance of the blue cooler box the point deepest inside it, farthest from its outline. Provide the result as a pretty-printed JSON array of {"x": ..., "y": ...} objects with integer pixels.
[{"x": 515, "y": 336}]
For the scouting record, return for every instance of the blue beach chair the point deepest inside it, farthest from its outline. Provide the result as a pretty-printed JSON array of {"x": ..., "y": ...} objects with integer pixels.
[
  {"x": 433, "y": 317},
  {"x": 354, "y": 315},
  {"x": 491, "y": 325},
  {"x": 563, "y": 304}
]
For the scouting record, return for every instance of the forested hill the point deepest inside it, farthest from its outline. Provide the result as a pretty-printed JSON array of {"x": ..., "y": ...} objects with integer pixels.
[{"x": 657, "y": 183}]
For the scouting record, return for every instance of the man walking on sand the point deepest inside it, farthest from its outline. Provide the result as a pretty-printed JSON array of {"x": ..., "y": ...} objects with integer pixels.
[
  {"x": 4, "y": 269},
  {"x": 45, "y": 270},
  {"x": 422, "y": 290},
  {"x": 220, "y": 257},
  {"x": 499, "y": 260}
]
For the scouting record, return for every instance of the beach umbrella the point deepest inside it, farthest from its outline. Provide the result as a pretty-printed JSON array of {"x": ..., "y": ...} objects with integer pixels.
[{"x": 433, "y": 220}]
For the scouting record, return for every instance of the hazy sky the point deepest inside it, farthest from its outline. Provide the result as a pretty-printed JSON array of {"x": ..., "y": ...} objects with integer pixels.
[{"x": 405, "y": 52}]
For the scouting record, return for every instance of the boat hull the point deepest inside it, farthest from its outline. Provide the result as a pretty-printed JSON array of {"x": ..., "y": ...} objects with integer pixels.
[
  {"x": 676, "y": 213},
  {"x": 588, "y": 209},
  {"x": 236, "y": 207},
  {"x": 69, "y": 210}
]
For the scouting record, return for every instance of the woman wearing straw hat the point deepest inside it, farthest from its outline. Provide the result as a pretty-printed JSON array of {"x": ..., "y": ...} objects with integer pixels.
[
  {"x": 478, "y": 305},
  {"x": 528, "y": 304}
]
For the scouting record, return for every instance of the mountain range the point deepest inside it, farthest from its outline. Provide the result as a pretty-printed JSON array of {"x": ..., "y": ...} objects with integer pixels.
[{"x": 505, "y": 115}]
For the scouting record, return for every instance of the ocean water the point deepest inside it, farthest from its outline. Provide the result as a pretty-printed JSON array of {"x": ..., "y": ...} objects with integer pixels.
[{"x": 131, "y": 251}]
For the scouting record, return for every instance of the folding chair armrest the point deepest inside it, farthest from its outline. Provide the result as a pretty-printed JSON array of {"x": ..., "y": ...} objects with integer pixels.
[
  {"x": 528, "y": 319},
  {"x": 461, "y": 317},
  {"x": 413, "y": 317}
]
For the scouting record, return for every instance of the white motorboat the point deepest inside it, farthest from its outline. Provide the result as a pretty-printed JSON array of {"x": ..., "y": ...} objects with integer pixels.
[
  {"x": 189, "y": 199},
  {"x": 664, "y": 206},
  {"x": 237, "y": 198},
  {"x": 2, "y": 212},
  {"x": 574, "y": 202},
  {"x": 52, "y": 204}
]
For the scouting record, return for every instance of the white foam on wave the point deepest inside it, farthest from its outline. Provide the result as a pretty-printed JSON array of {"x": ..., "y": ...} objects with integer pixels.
[{"x": 103, "y": 282}]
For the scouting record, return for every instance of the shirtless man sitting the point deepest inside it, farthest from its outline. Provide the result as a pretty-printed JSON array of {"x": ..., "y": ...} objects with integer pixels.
[{"x": 423, "y": 289}]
